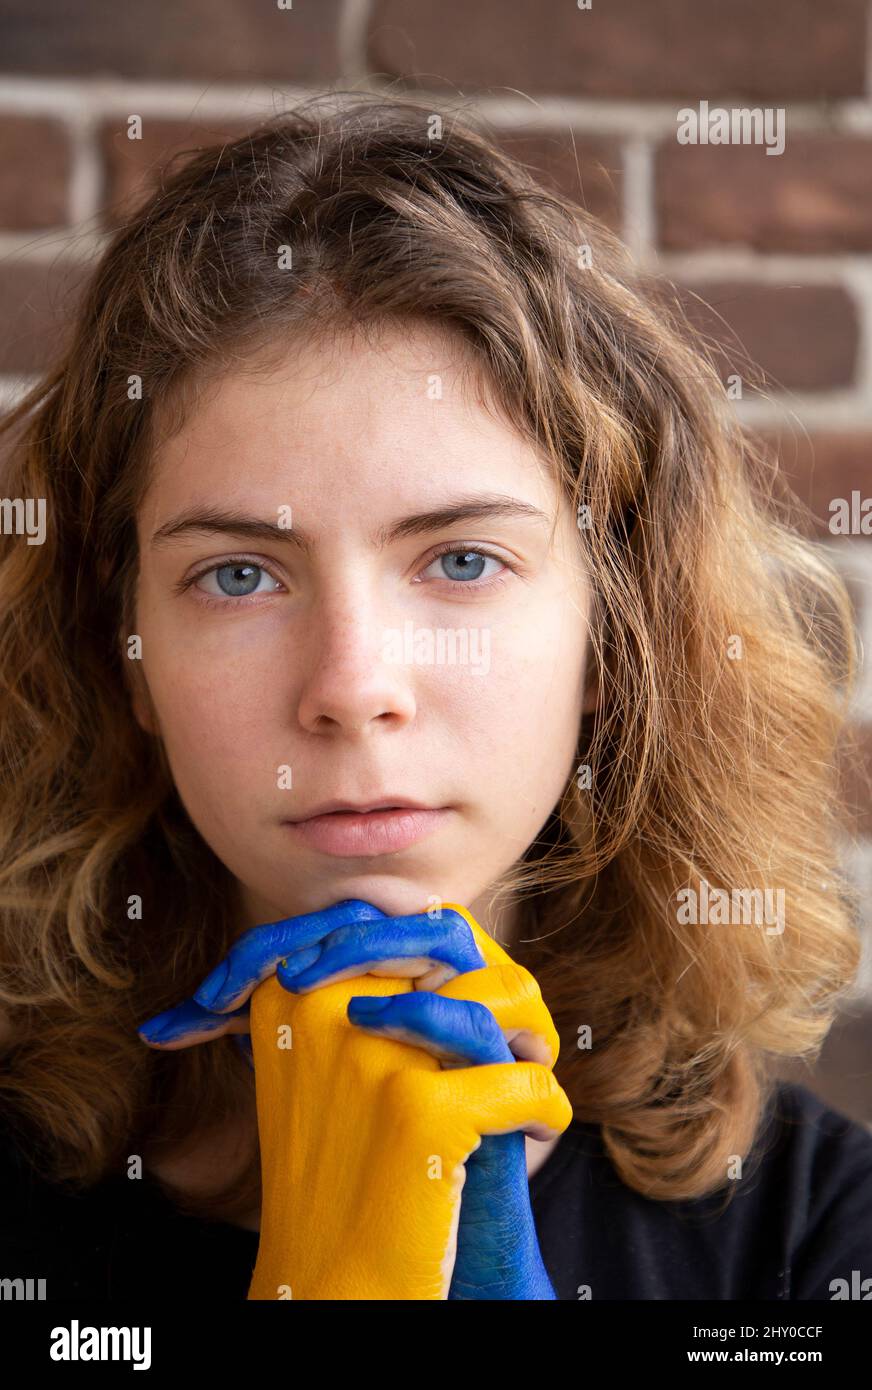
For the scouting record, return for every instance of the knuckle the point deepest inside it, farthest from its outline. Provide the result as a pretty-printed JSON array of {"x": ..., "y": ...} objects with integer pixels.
[
  {"x": 457, "y": 923},
  {"x": 352, "y": 936},
  {"x": 277, "y": 938},
  {"x": 520, "y": 983},
  {"x": 483, "y": 1024}
]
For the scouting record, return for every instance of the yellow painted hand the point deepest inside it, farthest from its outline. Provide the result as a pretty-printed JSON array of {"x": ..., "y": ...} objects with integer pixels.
[{"x": 364, "y": 1138}]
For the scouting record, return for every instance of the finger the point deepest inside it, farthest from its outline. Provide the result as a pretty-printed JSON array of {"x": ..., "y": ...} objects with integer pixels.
[
  {"x": 457, "y": 1031},
  {"x": 415, "y": 946},
  {"x": 512, "y": 995},
  {"x": 493, "y": 952},
  {"x": 188, "y": 1023},
  {"x": 502, "y": 1098},
  {"x": 255, "y": 954}
]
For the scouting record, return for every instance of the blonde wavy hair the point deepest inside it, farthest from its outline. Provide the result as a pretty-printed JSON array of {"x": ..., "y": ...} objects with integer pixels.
[{"x": 710, "y": 760}]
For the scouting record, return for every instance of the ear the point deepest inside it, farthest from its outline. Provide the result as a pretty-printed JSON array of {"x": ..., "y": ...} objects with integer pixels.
[
  {"x": 143, "y": 710},
  {"x": 134, "y": 678},
  {"x": 591, "y": 697},
  {"x": 140, "y": 699}
]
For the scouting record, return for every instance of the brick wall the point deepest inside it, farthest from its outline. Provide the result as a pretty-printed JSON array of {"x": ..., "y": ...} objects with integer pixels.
[{"x": 771, "y": 253}]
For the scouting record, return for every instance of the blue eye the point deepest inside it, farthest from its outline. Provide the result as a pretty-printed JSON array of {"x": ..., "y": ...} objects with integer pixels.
[
  {"x": 236, "y": 578},
  {"x": 462, "y": 566},
  {"x": 459, "y": 561},
  {"x": 239, "y": 578}
]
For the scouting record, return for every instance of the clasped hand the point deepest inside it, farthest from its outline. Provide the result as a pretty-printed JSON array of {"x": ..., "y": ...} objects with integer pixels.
[{"x": 366, "y": 1148}]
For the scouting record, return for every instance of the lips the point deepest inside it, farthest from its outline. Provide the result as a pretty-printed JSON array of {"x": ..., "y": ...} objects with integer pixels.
[
  {"x": 325, "y": 808},
  {"x": 362, "y": 834}
]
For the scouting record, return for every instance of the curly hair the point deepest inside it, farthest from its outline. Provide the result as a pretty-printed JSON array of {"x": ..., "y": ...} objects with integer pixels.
[{"x": 723, "y": 648}]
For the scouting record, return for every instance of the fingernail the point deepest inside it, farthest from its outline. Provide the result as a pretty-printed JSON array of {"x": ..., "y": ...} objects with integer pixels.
[
  {"x": 368, "y": 1004},
  {"x": 297, "y": 961},
  {"x": 212, "y": 985},
  {"x": 153, "y": 1030}
]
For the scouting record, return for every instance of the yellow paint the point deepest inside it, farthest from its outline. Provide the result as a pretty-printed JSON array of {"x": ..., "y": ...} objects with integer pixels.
[{"x": 355, "y": 1131}]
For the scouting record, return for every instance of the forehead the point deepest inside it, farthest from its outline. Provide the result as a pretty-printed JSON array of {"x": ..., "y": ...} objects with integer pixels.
[{"x": 343, "y": 422}]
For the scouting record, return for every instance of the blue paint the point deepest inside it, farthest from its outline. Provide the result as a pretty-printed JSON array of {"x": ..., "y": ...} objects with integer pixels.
[
  {"x": 447, "y": 942},
  {"x": 255, "y": 954},
  {"x": 186, "y": 1020},
  {"x": 498, "y": 1254},
  {"x": 252, "y": 958},
  {"x": 368, "y": 1003},
  {"x": 212, "y": 985}
]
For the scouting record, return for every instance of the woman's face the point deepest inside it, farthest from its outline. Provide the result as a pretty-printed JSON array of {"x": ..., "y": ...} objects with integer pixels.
[{"x": 311, "y": 660}]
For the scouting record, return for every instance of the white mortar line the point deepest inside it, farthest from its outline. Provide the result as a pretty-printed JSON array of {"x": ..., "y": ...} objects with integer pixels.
[
  {"x": 638, "y": 228},
  {"x": 115, "y": 98},
  {"x": 830, "y": 412},
  {"x": 852, "y": 557},
  {"x": 733, "y": 262},
  {"x": 351, "y": 35},
  {"x": 69, "y": 244},
  {"x": 86, "y": 179},
  {"x": 112, "y": 97}
]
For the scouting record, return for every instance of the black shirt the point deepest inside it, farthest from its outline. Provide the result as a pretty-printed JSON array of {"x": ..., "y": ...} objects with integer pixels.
[{"x": 799, "y": 1218}]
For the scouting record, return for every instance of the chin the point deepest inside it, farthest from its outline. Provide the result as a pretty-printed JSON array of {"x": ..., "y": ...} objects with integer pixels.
[{"x": 392, "y": 896}]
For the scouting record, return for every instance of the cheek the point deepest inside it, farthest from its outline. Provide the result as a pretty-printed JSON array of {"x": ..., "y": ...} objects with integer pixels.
[
  {"x": 539, "y": 664},
  {"x": 515, "y": 729},
  {"x": 214, "y": 707}
]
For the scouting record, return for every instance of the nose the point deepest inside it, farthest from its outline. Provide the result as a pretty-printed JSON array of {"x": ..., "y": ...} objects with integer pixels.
[{"x": 349, "y": 686}]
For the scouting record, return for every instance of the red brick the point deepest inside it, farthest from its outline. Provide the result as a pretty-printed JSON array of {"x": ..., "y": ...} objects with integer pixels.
[
  {"x": 816, "y": 196},
  {"x": 34, "y": 173},
  {"x": 784, "y": 49},
  {"x": 821, "y": 467},
  {"x": 37, "y": 301},
  {"x": 803, "y": 337},
  {"x": 214, "y": 40},
  {"x": 133, "y": 167},
  {"x": 587, "y": 169}
]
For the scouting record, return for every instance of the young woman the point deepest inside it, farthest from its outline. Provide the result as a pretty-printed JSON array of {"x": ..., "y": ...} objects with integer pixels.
[{"x": 374, "y": 478}]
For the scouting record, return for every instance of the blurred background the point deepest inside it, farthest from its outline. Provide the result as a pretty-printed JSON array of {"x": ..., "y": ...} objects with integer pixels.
[{"x": 770, "y": 253}]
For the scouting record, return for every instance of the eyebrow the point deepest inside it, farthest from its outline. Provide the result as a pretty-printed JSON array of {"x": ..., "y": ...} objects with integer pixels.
[{"x": 215, "y": 520}]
